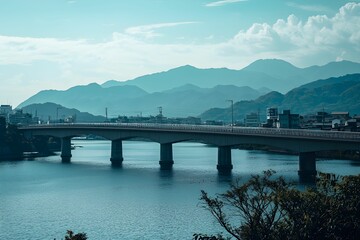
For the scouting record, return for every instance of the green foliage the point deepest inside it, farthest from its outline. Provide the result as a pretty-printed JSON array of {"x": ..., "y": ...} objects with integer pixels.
[
  {"x": 41, "y": 144},
  {"x": 336, "y": 94},
  {"x": 15, "y": 140},
  {"x": 269, "y": 208},
  {"x": 197, "y": 236},
  {"x": 79, "y": 236},
  {"x": 2, "y": 129}
]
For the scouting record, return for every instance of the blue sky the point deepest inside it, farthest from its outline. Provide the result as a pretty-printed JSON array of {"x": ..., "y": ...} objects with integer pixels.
[{"x": 56, "y": 44}]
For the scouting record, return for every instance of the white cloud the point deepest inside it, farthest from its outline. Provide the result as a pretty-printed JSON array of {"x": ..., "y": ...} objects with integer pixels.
[
  {"x": 337, "y": 35},
  {"x": 223, "y": 2},
  {"x": 311, "y": 8},
  {"x": 45, "y": 63},
  {"x": 319, "y": 39},
  {"x": 24, "y": 50},
  {"x": 148, "y": 31}
]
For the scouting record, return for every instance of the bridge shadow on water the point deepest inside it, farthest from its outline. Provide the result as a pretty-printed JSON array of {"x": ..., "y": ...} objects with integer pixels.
[
  {"x": 117, "y": 167},
  {"x": 355, "y": 163},
  {"x": 196, "y": 175},
  {"x": 228, "y": 178},
  {"x": 166, "y": 173}
]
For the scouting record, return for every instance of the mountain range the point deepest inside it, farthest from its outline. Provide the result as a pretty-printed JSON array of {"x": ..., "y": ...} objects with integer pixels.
[
  {"x": 184, "y": 101},
  {"x": 52, "y": 111},
  {"x": 274, "y": 74},
  {"x": 189, "y": 91},
  {"x": 333, "y": 94}
]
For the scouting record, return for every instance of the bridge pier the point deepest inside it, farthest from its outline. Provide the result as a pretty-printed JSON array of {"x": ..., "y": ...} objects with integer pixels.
[
  {"x": 66, "y": 149},
  {"x": 116, "y": 153},
  {"x": 166, "y": 156},
  {"x": 224, "y": 159},
  {"x": 307, "y": 164}
]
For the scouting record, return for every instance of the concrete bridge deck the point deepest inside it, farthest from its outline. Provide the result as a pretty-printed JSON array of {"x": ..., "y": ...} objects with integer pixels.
[{"x": 305, "y": 142}]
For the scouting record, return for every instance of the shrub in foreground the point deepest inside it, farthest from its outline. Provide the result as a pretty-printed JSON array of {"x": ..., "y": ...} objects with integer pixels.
[{"x": 270, "y": 208}]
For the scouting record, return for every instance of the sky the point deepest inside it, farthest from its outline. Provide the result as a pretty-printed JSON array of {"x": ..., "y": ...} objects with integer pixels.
[{"x": 57, "y": 44}]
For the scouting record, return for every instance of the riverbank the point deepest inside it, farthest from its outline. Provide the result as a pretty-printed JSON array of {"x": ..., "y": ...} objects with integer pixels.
[{"x": 7, "y": 154}]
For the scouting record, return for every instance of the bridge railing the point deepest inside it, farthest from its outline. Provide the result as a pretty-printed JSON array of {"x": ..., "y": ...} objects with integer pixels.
[{"x": 298, "y": 133}]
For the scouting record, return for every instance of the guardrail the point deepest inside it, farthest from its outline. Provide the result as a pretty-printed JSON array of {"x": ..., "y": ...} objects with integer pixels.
[{"x": 270, "y": 132}]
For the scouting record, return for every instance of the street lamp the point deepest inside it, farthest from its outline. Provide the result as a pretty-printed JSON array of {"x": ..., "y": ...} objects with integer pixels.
[{"x": 232, "y": 112}]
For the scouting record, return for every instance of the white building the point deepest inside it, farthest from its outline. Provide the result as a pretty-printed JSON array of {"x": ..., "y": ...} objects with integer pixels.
[{"x": 252, "y": 120}]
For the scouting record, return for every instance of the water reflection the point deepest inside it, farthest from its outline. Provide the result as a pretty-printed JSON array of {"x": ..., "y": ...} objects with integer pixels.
[
  {"x": 167, "y": 174},
  {"x": 355, "y": 163},
  {"x": 116, "y": 166},
  {"x": 90, "y": 195},
  {"x": 225, "y": 178}
]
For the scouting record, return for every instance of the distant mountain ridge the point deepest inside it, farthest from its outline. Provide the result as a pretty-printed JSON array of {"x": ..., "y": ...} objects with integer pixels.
[
  {"x": 274, "y": 74},
  {"x": 51, "y": 111},
  {"x": 272, "y": 67},
  {"x": 188, "y": 91},
  {"x": 187, "y": 100},
  {"x": 89, "y": 98},
  {"x": 333, "y": 94}
]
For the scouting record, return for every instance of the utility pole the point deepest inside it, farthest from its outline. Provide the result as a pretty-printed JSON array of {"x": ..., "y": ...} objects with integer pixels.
[
  {"x": 106, "y": 113},
  {"x": 57, "y": 113},
  {"x": 323, "y": 118},
  {"x": 232, "y": 113},
  {"x": 160, "y": 114}
]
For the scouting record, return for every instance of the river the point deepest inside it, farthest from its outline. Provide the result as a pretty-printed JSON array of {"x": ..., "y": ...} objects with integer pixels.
[{"x": 42, "y": 198}]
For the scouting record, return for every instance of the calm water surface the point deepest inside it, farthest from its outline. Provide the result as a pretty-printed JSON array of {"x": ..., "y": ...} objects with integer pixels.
[{"x": 41, "y": 199}]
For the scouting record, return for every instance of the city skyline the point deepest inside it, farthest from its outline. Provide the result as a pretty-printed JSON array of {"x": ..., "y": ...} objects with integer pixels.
[{"x": 60, "y": 44}]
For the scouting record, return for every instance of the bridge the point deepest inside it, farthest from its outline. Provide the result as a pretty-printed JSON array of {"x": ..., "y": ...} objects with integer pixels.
[{"x": 304, "y": 142}]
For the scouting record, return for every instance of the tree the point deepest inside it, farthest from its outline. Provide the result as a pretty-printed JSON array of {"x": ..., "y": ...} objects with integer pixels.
[
  {"x": 41, "y": 144},
  {"x": 270, "y": 208},
  {"x": 2, "y": 129},
  {"x": 79, "y": 236},
  {"x": 16, "y": 141}
]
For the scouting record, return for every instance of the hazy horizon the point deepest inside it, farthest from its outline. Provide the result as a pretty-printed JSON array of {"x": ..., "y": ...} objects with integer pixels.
[{"x": 58, "y": 45}]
